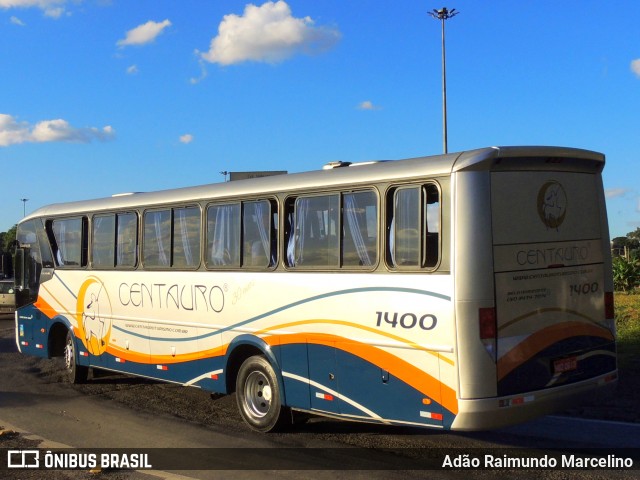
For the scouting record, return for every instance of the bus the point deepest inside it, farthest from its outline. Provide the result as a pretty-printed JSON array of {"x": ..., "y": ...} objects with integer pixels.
[{"x": 465, "y": 291}]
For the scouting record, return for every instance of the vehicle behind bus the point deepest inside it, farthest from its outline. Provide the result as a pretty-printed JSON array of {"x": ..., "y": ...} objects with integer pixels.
[{"x": 7, "y": 297}]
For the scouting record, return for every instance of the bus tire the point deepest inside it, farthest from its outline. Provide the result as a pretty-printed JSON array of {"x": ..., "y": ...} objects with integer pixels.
[
  {"x": 74, "y": 373},
  {"x": 259, "y": 397}
]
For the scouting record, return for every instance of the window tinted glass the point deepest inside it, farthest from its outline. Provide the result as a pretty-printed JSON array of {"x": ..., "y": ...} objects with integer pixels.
[
  {"x": 103, "y": 235},
  {"x": 256, "y": 234},
  {"x": 157, "y": 239},
  {"x": 223, "y": 236},
  {"x": 360, "y": 226},
  {"x": 314, "y": 240},
  {"x": 69, "y": 239},
  {"x": 186, "y": 237},
  {"x": 127, "y": 240}
]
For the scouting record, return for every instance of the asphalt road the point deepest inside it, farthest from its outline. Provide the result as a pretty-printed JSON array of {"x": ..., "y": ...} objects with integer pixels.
[{"x": 113, "y": 411}]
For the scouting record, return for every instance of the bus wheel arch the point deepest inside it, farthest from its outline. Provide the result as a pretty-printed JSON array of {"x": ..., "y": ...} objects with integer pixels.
[
  {"x": 252, "y": 374},
  {"x": 57, "y": 339}
]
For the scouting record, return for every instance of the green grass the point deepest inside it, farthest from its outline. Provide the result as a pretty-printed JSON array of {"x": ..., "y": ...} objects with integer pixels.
[{"x": 627, "y": 312}]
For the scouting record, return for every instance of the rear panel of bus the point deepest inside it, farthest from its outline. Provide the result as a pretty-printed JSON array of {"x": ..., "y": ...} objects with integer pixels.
[
  {"x": 552, "y": 287},
  {"x": 548, "y": 333}
]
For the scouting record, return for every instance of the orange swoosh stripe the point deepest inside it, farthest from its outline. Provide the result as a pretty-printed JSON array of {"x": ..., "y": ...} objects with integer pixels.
[
  {"x": 360, "y": 327},
  {"x": 408, "y": 373},
  {"x": 45, "y": 308},
  {"x": 169, "y": 359},
  {"x": 546, "y": 337}
]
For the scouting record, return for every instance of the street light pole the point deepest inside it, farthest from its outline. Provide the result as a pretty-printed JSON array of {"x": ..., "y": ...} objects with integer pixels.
[
  {"x": 24, "y": 206},
  {"x": 442, "y": 15}
]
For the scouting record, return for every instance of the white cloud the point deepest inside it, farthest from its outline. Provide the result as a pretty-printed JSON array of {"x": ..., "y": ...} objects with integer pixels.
[
  {"x": 186, "y": 138},
  {"x": 13, "y": 132},
  {"x": 132, "y": 70},
  {"x": 51, "y": 8},
  {"x": 268, "y": 33},
  {"x": 635, "y": 67},
  {"x": 367, "y": 105},
  {"x": 615, "y": 192},
  {"x": 17, "y": 21},
  {"x": 143, "y": 34}
]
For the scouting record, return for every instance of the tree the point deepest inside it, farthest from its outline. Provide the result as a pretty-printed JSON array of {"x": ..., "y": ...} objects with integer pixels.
[{"x": 7, "y": 238}]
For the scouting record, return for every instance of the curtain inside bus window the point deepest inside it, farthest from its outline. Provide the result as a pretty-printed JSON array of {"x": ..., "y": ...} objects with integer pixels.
[
  {"x": 186, "y": 237},
  {"x": 127, "y": 240},
  {"x": 256, "y": 234},
  {"x": 69, "y": 239},
  {"x": 102, "y": 241},
  {"x": 157, "y": 238},
  {"x": 317, "y": 243},
  {"x": 223, "y": 235},
  {"x": 405, "y": 232},
  {"x": 360, "y": 229}
]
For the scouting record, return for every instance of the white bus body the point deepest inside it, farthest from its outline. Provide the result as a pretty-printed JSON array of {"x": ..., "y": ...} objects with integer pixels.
[{"x": 466, "y": 291}]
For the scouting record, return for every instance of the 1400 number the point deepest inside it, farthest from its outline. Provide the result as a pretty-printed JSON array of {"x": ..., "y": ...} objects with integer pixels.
[
  {"x": 407, "y": 320},
  {"x": 584, "y": 289}
]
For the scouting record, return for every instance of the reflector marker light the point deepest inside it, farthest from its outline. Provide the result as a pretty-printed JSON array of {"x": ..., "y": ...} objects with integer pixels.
[
  {"x": 83, "y": 354},
  {"x": 324, "y": 396},
  {"x": 39, "y": 345},
  {"x": 512, "y": 402},
  {"x": 24, "y": 344},
  {"x": 431, "y": 415},
  {"x": 120, "y": 360},
  {"x": 162, "y": 367},
  {"x": 214, "y": 376}
]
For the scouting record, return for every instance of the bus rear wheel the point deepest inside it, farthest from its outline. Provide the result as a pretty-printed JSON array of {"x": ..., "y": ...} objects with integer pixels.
[
  {"x": 259, "y": 397},
  {"x": 74, "y": 373}
]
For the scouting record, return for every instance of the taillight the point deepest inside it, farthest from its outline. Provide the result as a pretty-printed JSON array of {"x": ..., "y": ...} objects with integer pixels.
[
  {"x": 487, "y": 320},
  {"x": 488, "y": 328},
  {"x": 608, "y": 305}
]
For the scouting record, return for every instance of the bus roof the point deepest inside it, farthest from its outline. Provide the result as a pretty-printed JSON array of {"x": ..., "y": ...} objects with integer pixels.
[{"x": 355, "y": 175}]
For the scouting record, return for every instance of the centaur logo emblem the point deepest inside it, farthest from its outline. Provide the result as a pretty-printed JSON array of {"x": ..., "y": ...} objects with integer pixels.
[
  {"x": 94, "y": 315},
  {"x": 552, "y": 204}
]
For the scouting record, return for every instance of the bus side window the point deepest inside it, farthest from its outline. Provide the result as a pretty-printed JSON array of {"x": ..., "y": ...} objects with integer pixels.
[
  {"x": 314, "y": 239},
  {"x": 404, "y": 235},
  {"x": 156, "y": 243},
  {"x": 127, "y": 240},
  {"x": 414, "y": 227},
  {"x": 186, "y": 237},
  {"x": 258, "y": 239},
  {"x": 102, "y": 241},
  {"x": 223, "y": 236},
  {"x": 71, "y": 241},
  {"x": 360, "y": 229}
]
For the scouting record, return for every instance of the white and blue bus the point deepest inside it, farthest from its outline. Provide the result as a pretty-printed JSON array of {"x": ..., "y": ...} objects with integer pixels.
[{"x": 465, "y": 291}]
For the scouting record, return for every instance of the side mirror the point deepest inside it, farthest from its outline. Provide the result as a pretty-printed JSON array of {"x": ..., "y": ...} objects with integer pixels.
[{"x": 20, "y": 270}]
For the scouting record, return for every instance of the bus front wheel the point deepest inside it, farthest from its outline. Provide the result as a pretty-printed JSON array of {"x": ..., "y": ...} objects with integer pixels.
[
  {"x": 75, "y": 373},
  {"x": 258, "y": 395}
]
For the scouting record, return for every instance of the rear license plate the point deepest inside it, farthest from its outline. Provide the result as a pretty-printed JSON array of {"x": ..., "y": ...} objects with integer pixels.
[{"x": 565, "y": 364}]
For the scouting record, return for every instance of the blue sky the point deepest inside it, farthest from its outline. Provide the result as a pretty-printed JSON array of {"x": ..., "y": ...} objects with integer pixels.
[{"x": 99, "y": 97}]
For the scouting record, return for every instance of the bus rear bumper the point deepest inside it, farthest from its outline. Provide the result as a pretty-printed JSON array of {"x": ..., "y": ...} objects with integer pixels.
[{"x": 498, "y": 412}]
